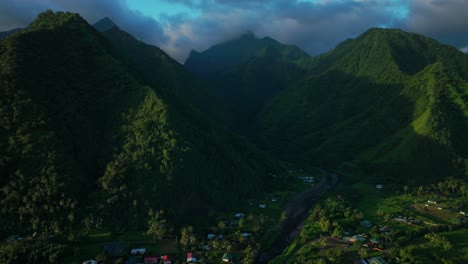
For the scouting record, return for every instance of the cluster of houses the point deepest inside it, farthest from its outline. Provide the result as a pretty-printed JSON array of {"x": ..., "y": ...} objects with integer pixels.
[
  {"x": 14, "y": 238},
  {"x": 367, "y": 242},
  {"x": 307, "y": 179},
  {"x": 406, "y": 220},
  {"x": 231, "y": 223},
  {"x": 138, "y": 255},
  {"x": 372, "y": 243}
]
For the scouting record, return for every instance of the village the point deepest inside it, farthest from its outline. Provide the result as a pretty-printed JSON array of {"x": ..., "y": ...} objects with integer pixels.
[
  {"x": 388, "y": 226},
  {"x": 235, "y": 237},
  {"x": 376, "y": 229}
]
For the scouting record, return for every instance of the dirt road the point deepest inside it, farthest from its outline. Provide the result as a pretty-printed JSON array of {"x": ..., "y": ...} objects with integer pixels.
[{"x": 296, "y": 211}]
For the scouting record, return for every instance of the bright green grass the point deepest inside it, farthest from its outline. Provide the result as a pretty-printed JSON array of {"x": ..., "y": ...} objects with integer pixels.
[
  {"x": 368, "y": 200},
  {"x": 443, "y": 216},
  {"x": 425, "y": 251}
]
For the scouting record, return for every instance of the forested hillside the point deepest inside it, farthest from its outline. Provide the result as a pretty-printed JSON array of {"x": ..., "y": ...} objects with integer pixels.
[
  {"x": 387, "y": 104},
  {"x": 84, "y": 136}
]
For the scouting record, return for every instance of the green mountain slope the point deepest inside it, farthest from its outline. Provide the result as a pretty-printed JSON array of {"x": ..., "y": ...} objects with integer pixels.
[
  {"x": 246, "y": 72},
  {"x": 82, "y": 137},
  {"x": 155, "y": 68},
  {"x": 388, "y": 103}
]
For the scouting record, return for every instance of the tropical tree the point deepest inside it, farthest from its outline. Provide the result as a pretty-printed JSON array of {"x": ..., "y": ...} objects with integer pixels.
[
  {"x": 338, "y": 232},
  {"x": 187, "y": 237},
  {"x": 363, "y": 252},
  {"x": 157, "y": 225},
  {"x": 249, "y": 255},
  {"x": 283, "y": 216},
  {"x": 405, "y": 188},
  {"x": 322, "y": 242}
]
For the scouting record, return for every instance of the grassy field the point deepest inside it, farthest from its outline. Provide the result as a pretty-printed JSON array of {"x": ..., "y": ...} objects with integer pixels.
[
  {"x": 368, "y": 199},
  {"x": 428, "y": 253}
]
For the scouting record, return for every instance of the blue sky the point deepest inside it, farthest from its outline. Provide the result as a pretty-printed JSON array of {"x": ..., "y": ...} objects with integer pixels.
[
  {"x": 158, "y": 9},
  {"x": 177, "y": 26}
]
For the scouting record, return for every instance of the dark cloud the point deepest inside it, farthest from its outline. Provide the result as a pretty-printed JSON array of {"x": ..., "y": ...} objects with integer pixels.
[
  {"x": 19, "y": 13},
  {"x": 316, "y": 26},
  {"x": 15, "y": 14},
  {"x": 445, "y": 20}
]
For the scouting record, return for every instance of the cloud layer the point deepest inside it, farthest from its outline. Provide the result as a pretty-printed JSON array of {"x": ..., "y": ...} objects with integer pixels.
[{"x": 314, "y": 25}]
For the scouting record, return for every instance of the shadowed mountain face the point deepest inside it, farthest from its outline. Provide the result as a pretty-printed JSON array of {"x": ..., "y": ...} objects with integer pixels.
[
  {"x": 243, "y": 74},
  {"x": 388, "y": 103},
  {"x": 238, "y": 51},
  {"x": 85, "y": 132},
  {"x": 104, "y": 24}
]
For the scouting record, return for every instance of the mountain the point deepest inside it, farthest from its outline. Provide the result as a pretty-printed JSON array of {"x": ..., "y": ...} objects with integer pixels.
[
  {"x": 155, "y": 68},
  {"x": 104, "y": 24},
  {"x": 388, "y": 104},
  {"x": 235, "y": 52},
  {"x": 243, "y": 74},
  {"x": 84, "y": 136},
  {"x": 8, "y": 33}
]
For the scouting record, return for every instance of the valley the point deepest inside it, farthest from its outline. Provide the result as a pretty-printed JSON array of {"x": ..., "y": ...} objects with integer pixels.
[{"x": 252, "y": 151}]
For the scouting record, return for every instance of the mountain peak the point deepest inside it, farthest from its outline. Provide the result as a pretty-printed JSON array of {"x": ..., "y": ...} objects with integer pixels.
[
  {"x": 104, "y": 24},
  {"x": 239, "y": 50},
  {"x": 50, "y": 19},
  {"x": 381, "y": 50},
  {"x": 248, "y": 35}
]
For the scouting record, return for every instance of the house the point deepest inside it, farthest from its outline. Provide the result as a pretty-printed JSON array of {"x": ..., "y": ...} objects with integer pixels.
[
  {"x": 401, "y": 220},
  {"x": 263, "y": 206},
  {"x": 462, "y": 213},
  {"x": 379, "y": 186},
  {"x": 166, "y": 259},
  {"x": 206, "y": 247},
  {"x": 360, "y": 261},
  {"x": 239, "y": 215},
  {"x": 138, "y": 251},
  {"x": 384, "y": 229},
  {"x": 431, "y": 202},
  {"x": 366, "y": 223},
  {"x": 308, "y": 179},
  {"x": 210, "y": 236},
  {"x": 90, "y": 262},
  {"x": 359, "y": 238},
  {"x": 227, "y": 257},
  {"x": 234, "y": 223},
  {"x": 191, "y": 257},
  {"x": 376, "y": 260},
  {"x": 151, "y": 260},
  {"x": 245, "y": 234},
  {"x": 114, "y": 250}
]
